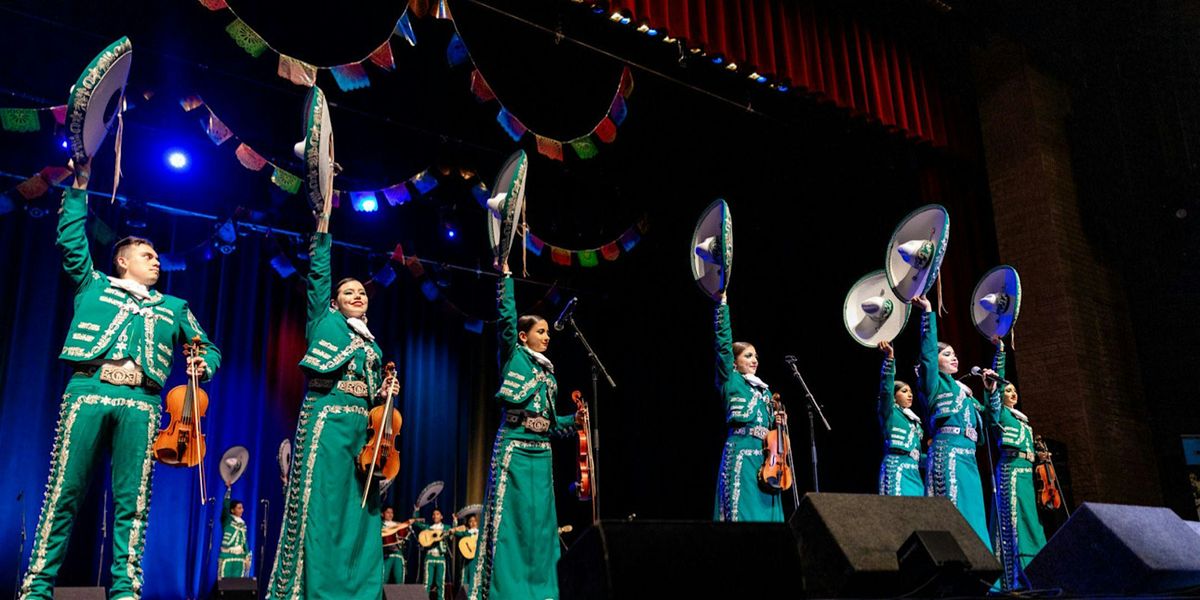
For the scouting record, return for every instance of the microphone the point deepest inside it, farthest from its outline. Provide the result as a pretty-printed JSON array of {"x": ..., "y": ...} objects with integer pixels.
[
  {"x": 790, "y": 359},
  {"x": 568, "y": 311},
  {"x": 976, "y": 371}
]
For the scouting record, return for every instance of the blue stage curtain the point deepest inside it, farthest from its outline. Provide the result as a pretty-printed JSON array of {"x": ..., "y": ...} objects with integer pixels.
[{"x": 257, "y": 319}]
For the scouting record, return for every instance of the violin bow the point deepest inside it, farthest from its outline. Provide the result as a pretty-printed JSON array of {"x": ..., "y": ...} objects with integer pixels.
[
  {"x": 389, "y": 369},
  {"x": 195, "y": 352}
]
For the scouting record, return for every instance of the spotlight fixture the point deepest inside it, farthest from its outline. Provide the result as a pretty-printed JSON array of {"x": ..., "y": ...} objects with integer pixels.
[{"x": 177, "y": 159}]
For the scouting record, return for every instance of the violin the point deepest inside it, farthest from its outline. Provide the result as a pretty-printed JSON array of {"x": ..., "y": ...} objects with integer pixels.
[
  {"x": 1049, "y": 494},
  {"x": 379, "y": 458},
  {"x": 583, "y": 484},
  {"x": 181, "y": 442},
  {"x": 776, "y": 472}
]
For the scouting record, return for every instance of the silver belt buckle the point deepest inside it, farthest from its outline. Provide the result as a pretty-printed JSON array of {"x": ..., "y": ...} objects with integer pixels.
[
  {"x": 119, "y": 376},
  {"x": 971, "y": 434},
  {"x": 914, "y": 454},
  {"x": 354, "y": 388},
  {"x": 537, "y": 424}
]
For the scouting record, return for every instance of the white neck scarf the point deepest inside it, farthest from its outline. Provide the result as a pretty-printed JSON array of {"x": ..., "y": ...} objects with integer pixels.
[
  {"x": 360, "y": 326},
  {"x": 239, "y": 520},
  {"x": 134, "y": 288},
  {"x": 754, "y": 381},
  {"x": 540, "y": 358},
  {"x": 912, "y": 416},
  {"x": 1018, "y": 414}
]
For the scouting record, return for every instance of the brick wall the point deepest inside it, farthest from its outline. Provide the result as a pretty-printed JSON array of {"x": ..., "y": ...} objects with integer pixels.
[{"x": 1077, "y": 369}]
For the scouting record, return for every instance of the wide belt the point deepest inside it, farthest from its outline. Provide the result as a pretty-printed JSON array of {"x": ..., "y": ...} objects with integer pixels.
[
  {"x": 914, "y": 454},
  {"x": 121, "y": 376},
  {"x": 1029, "y": 456},
  {"x": 968, "y": 432},
  {"x": 354, "y": 388},
  {"x": 758, "y": 431},
  {"x": 531, "y": 421}
]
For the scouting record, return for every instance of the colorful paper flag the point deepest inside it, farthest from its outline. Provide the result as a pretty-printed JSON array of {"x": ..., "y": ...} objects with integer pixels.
[
  {"x": 398, "y": 254},
  {"x": 249, "y": 158},
  {"x": 456, "y": 51},
  {"x": 404, "y": 29},
  {"x": 60, "y": 114},
  {"x": 297, "y": 71},
  {"x": 535, "y": 244},
  {"x": 443, "y": 10},
  {"x": 384, "y": 276},
  {"x": 629, "y": 239},
  {"x": 396, "y": 194},
  {"x": 34, "y": 187},
  {"x": 585, "y": 147},
  {"x": 19, "y": 119},
  {"x": 430, "y": 289},
  {"x": 588, "y": 258},
  {"x": 382, "y": 56},
  {"x": 214, "y": 4},
  {"x": 618, "y": 110},
  {"x": 414, "y": 266},
  {"x": 285, "y": 181},
  {"x": 511, "y": 124},
  {"x": 424, "y": 182},
  {"x": 626, "y": 87},
  {"x": 549, "y": 147},
  {"x": 479, "y": 86},
  {"x": 606, "y": 131},
  {"x": 560, "y": 256},
  {"x": 246, "y": 37},
  {"x": 191, "y": 103},
  {"x": 216, "y": 130},
  {"x": 351, "y": 77},
  {"x": 473, "y": 325},
  {"x": 335, "y": 199},
  {"x": 610, "y": 251},
  {"x": 55, "y": 175}
]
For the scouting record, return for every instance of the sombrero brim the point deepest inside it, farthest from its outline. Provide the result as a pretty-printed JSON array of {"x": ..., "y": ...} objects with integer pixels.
[
  {"x": 228, "y": 474},
  {"x": 467, "y": 511},
  {"x": 318, "y": 150},
  {"x": 1000, "y": 280},
  {"x": 510, "y": 181},
  {"x": 863, "y": 329},
  {"x": 928, "y": 223},
  {"x": 717, "y": 223},
  {"x": 430, "y": 493},
  {"x": 96, "y": 99}
]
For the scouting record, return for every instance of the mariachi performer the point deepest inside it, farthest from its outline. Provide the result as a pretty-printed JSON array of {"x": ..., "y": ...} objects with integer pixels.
[
  {"x": 328, "y": 546},
  {"x": 235, "y": 556},
  {"x": 874, "y": 316},
  {"x": 748, "y": 407},
  {"x": 913, "y": 260},
  {"x": 120, "y": 345},
  {"x": 518, "y": 545},
  {"x": 467, "y": 541},
  {"x": 1016, "y": 532},
  {"x": 438, "y": 536},
  {"x": 395, "y": 544}
]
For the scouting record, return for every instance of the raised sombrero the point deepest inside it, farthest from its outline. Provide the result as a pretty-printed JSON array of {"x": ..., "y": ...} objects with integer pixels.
[
  {"x": 711, "y": 250},
  {"x": 872, "y": 312},
  {"x": 504, "y": 206},
  {"x": 916, "y": 250},
  {"x": 996, "y": 302},
  {"x": 97, "y": 98},
  {"x": 319, "y": 167}
]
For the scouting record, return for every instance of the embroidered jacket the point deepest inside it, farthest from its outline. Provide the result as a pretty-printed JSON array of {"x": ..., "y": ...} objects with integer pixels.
[
  {"x": 333, "y": 346},
  {"x": 947, "y": 402},
  {"x": 526, "y": 384},
  {"x": 900, "y": 432},
  {"x": 745, "y": 404},
  {"x": 1015, "y": 432},
  {"x": 111, "y": 323}
]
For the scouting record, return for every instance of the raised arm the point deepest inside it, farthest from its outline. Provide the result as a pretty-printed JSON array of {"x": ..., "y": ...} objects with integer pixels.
[
  {"x": 724, "y": 343},
  {"x": 72, "y": 232},
  {"x": 506, "y": 327},
  {"x": 887, "y": 382},
  {"x": 998, "y": 362},
  {"x": 318, "y": 283},
  {"x": 927, "y": 364}
]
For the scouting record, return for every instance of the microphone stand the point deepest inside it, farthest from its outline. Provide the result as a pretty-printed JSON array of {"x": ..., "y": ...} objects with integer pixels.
[
  {"x": 21, "y": 552},
  {"x": 103, "y": 536},
  {"x": 811, "y": 405},
  {"x": 597, "y": 370},
  {"x": 262, "y": 537}
]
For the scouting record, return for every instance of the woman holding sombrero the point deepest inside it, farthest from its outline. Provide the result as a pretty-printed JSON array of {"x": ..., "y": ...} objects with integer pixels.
[
  {"x": 749, "y": 412},
  {"x": 914, "y": 257},
  {"x": 874, "y": 316},
  {"x": 329, "y": 543},
  {"x": 518, "y": 542},
  {"x": 1017, "y": 532}
]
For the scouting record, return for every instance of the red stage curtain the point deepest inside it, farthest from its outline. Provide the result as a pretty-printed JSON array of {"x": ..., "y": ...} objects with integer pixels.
[{"x": 833, "y": 56}]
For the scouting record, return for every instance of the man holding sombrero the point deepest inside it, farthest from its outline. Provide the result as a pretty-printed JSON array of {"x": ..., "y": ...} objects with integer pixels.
[{"x": 120, "y": 344}]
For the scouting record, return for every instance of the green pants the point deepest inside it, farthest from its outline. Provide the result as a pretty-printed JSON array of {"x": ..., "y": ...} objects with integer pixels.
[
  {"x": 393, "y": 568},
  {"x": 95, "y": 416},
  {"x": 234, "y": 566},
  {"x": 435, "y": 575}
]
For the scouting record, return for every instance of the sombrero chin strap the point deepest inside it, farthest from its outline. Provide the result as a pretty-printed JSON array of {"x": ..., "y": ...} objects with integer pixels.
[
  {"x": 117, "y": 147},
  {"x": 941, "y": 307},
  {"x": 524, "y": 243}
]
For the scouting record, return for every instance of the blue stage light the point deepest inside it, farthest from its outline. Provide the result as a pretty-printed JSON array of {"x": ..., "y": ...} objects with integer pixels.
[
  {"x": 451, "y": 233},
  {"x": 177, "y": 159},
  {"x": 718, "y": 59},
  {"x": 64, "y": 144},
  {"x": 370, "y": 205}
]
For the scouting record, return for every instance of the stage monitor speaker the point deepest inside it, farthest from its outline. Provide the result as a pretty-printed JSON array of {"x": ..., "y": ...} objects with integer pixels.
[
  {"x": 236, "y": 588},
  {"x": 408, "y": 591},
  {"x": 1116, "y": 549},
  {"x": 79, "y": 593},
  {"x": 852, "y": 544},
  {"x": 678, "y": 559}
]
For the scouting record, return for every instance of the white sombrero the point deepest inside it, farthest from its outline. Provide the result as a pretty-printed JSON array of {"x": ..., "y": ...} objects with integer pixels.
[
  {"x": 233, "y": 464},
  {"x": 473, "y": 509},
  {"x": 996, "y": 301},
  {"x": 916, "y": 250},
  {"x": 317, "y": 150},
  {"x": 711, "y": 250},
  {"x": 96, "y": 99},
  {"x": 430, "y": 493},
  {"x": 504, "y": 206},
  {"x": 872, "y": 312}
]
